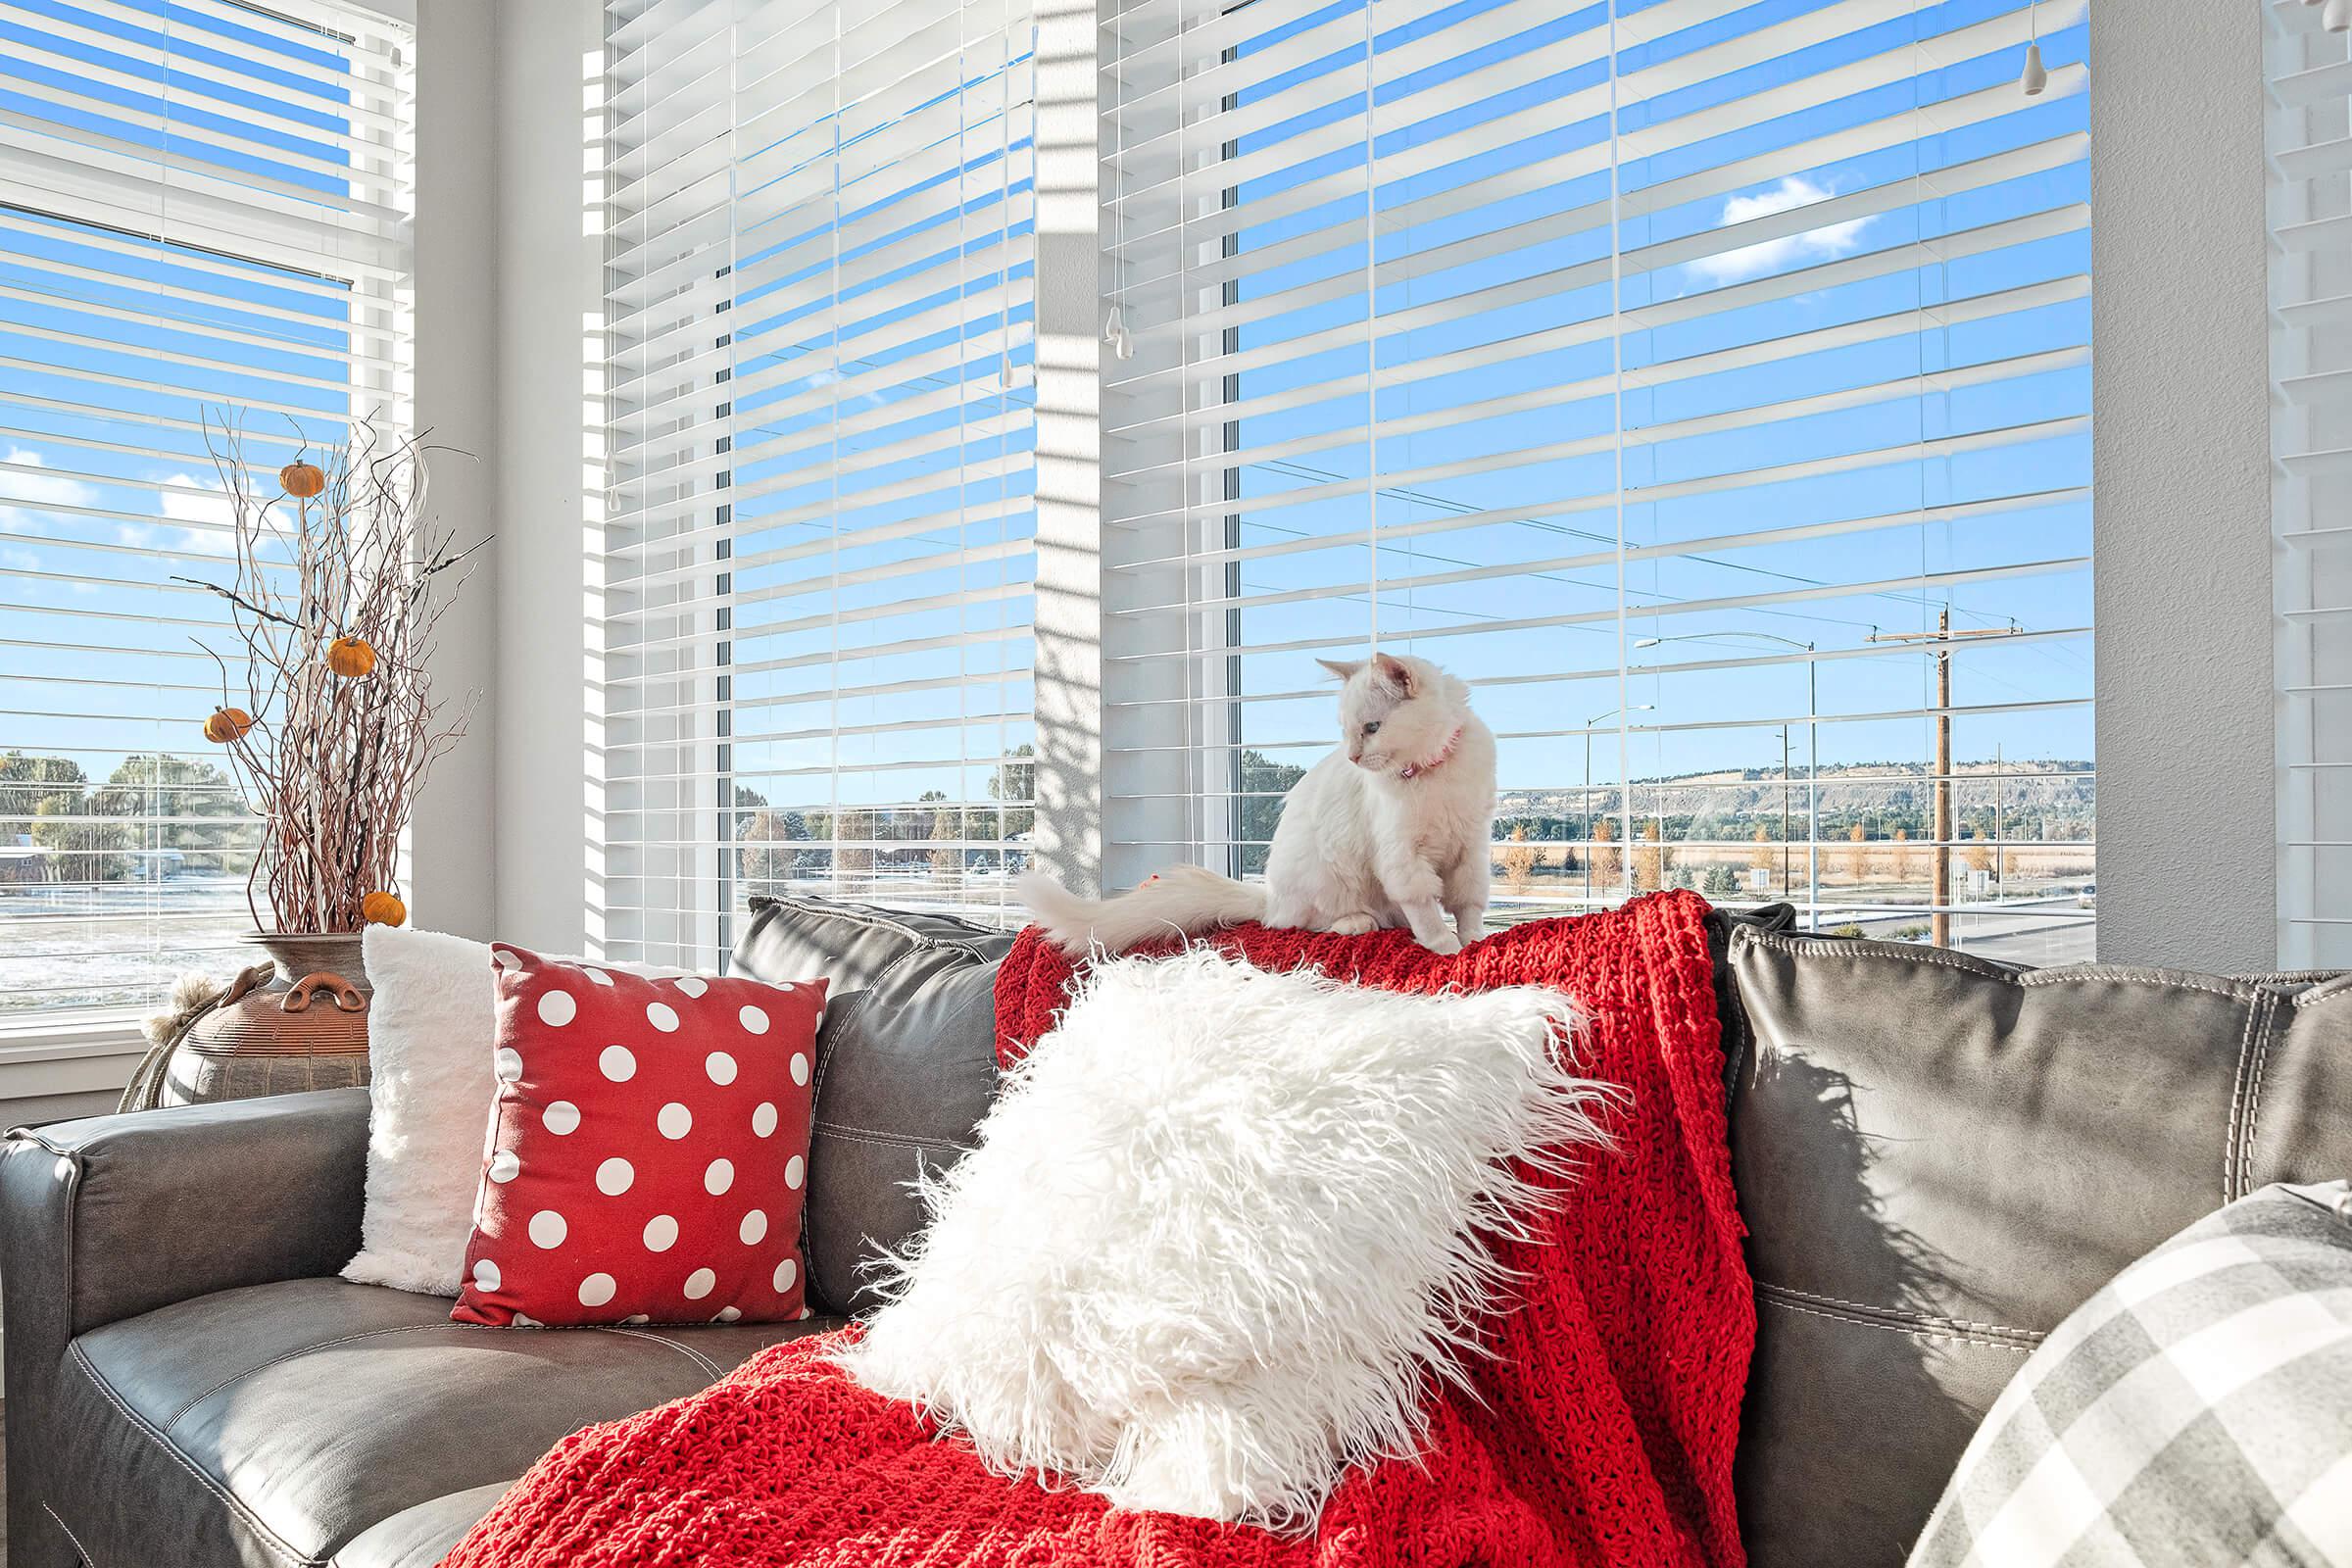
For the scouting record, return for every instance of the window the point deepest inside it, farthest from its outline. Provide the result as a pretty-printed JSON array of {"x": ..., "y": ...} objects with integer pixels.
[
  {"x": 202, "y": 216},
  {"x": 2311, "y": 362},
  {"x": 819, "y": 557},
  {"x": 1707, "y": 383}
]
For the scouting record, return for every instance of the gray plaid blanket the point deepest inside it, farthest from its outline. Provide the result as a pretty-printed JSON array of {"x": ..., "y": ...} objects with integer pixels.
[{"x": 2196, "y": 1412}]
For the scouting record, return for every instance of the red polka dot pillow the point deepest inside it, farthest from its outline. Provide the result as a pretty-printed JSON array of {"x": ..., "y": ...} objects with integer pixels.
[{"x": 649, "y": 1151}]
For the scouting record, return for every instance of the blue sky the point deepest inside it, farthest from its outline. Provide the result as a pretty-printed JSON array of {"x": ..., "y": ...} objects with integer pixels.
[{"x": 914, "y": 316}]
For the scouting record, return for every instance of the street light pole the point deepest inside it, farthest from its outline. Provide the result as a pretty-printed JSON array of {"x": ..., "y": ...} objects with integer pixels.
[
  {"x": 1939, "y": 918},
  {"x": 1812, "y": 763},
  {"x": 1637, "y": 707}
]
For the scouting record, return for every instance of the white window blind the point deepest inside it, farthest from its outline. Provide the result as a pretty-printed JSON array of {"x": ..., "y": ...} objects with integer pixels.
[
  {"x": 819, "y": 554},
  {"x": 1707, "y": 383},
  {"x": 2311, "y": 362},
  {"x": 203, "y": 213}
]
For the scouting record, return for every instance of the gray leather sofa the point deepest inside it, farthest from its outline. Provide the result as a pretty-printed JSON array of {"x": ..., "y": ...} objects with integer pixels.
[{"x": 1938, "y": 1159}]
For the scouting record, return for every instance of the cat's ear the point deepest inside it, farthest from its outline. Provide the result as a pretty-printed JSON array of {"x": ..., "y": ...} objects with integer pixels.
[
  {"x": 1345, "y": 668},
  {"x": 1394, "y": 673}
]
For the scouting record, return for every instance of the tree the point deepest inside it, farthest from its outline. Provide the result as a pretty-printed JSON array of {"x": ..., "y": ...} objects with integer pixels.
[
  {"x": 1014, "y": 788},
  {"x": 1608, "y": 864},
  {"x": 1263, "y": 783},
  {"x": 1979, "y": 856},
  {"x": 1851, "y": 860},
  {"x": 1649, "y": 862},
  {"x": 761, "y": 860},
  {"x": 196, "y": 808},
  {"x": 1519, "y": 862},
  {"x": 1760, "y": 858}
]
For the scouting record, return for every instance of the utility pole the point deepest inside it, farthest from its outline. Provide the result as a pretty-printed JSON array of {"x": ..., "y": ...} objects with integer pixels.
[{"x": 1939, "y": 919}]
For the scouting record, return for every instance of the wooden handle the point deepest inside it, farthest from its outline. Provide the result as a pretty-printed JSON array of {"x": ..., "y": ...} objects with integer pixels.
[
  {"x": 245, "y": 982},
  {"x": 347, "y": 996}
]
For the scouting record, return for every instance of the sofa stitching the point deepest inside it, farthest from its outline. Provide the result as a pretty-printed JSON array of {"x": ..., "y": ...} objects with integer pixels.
[
  {"x": 1823, "y": 948},
  {"x": 1914, "y": 1318},
  {"x": 2232, "y": 1145},
  {"x": 79, "y": 1551},
  {"x": 687, "y": 1350},
  {"x": 267, "y": 1537},
  {"x": 877, "y": 1135},
  {"x": 2262, "y": 1062},
  {"x": 1898, "y": 1328},
  {"x": 295, "y": 1354}
]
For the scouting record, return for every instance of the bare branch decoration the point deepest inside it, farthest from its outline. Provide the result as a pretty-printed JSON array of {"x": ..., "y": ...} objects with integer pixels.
[{"x": 337, "y": 607}]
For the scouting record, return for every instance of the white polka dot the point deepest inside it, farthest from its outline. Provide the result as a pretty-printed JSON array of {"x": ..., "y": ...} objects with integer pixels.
[
  {"x": 660, "y": 1233},
  {"x": 799, "y": 1068},
  {"x": 617, "y": 1064},
  {"x": 505, "y": 1166},
  {"x": 763, "y": 1120},
  {"x": 752, "y": 1228},
  {"x": 786, "y": 1273},
  {"x": 808, "y": 1312},
  {"x": 719, "y": 1177},
  {"x": 694, "y": 985},
  {"x": 729, "y": 1315},
  {"x": 485, "y": 1275},
  {"x": 663, "y": 1016},
  {"x": 505, "y": 959},
  {"x": 784, "y": 985},
  {"x": 596, "y": 976},
  {"x": 508, "y": 1064},
  {"x": 548, "y": 1229},
  {"x": 701, "y": 1283},
  {"x": 596, "y": 1288},
  {"x": 636, "y": 1317},
  {"x": 561, "y": 1118},
  {"x": 674, "y": 1120},
  {"x": 614, "y": 1176},
  {"x": 753, "y": 1020},
  {"x": 794, "y": 1170},
  {"x": 720, "y": 1066},
  {"x": 557, "y": 1008},
  {"x": 524, "y": 1320}
]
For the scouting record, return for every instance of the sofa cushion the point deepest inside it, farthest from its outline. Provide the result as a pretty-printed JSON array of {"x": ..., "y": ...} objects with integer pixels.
[
  {"x": 276, "y": 1423},
  {"x": 901, "y": 1083},
  {"x": 1938, "y": 1157},
  {"x": 851, "y": 944}
]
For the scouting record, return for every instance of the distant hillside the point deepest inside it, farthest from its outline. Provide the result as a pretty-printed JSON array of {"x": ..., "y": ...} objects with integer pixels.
[{"x": 2051, "y": 801}]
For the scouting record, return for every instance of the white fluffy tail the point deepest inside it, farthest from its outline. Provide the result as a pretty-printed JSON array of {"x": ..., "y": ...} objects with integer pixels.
[{"x": 1182, "y": 900}]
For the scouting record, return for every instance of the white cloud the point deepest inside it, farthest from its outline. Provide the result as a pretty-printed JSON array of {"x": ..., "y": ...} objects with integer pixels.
[
  {"x": 1823, "y": 244},
  {"x": 23, "y": 495}
]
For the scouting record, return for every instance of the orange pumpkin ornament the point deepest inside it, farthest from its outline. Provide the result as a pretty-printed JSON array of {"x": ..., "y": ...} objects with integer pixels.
[
  {"x": 383, "y": 909},
  {"x": 228, "y": 725},
  {"x": 350, "y": 656},
  {"x": 302, "y": 480}
]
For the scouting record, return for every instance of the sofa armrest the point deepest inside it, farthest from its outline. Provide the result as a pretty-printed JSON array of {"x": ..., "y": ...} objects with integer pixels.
[
  {"x": 114, "y": 1217},
  {"x": 108, "y": 1218}
]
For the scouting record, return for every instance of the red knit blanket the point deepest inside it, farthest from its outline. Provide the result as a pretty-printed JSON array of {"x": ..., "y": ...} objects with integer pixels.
[{"x": 1603, "y": 1431}]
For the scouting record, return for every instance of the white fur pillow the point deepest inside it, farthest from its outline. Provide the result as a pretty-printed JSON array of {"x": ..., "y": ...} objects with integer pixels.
[
  {"x": 432, "y": 1028},
  {"x": 1222, "y": 1230}
]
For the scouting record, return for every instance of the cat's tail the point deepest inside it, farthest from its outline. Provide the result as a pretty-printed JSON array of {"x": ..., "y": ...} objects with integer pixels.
[{"x": 1182, "y": 900}]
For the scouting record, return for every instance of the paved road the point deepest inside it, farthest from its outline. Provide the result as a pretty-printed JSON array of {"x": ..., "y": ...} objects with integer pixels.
[{"x": 2041, "y": 932}]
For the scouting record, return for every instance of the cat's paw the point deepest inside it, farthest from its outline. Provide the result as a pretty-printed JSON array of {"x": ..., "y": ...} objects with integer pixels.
[
  {"x": 1446, "y": 944},
  {"x": 1353, "y": 925}
]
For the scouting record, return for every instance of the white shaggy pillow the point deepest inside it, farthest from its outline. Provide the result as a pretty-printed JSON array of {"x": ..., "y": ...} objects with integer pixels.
[
  {"x": 1222, "y": 1230},
  {"x": 432, "y": 1025}
]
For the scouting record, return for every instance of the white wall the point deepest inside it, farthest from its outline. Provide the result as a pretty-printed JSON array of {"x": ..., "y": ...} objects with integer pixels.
[
  {"x": 452, "y": 882},
  {"x": 549, "y": 54},
  {"x": 2180, "y": 449}
]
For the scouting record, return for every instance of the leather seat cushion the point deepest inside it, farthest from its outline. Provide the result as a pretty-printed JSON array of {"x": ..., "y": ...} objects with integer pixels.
[
  {"x": 1938, "y": 1157},
  {"x": 276, "y": 1423}
]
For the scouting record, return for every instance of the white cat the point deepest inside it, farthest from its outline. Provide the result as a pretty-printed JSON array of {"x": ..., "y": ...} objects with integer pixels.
[{"x": 1394, "y": 828}]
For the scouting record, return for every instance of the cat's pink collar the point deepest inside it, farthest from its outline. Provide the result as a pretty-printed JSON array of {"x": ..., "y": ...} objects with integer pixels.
[{"x": 1444, "y": 756}]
